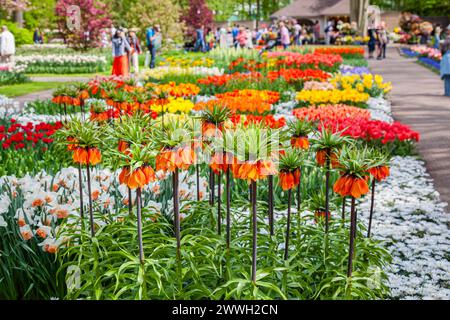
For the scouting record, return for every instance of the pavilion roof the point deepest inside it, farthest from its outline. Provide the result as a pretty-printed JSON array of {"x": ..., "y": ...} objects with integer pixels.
[{"x": 314, "y": 8}]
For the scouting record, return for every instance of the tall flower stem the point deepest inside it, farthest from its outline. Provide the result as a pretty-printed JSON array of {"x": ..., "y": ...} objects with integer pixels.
[
  {"x": 351, "y": 249},
  {"x": 372, "y": 203},
  {"x": 211, "y": 187},
  {"x": 130, "y": 203},
  {"x": 343, "y": 208},
  {"x": 219, "y": 204},
  {"x": 91, "y": 214},
  {"x": 197, "y": 176},
  {"x": 228, "y": 208},
  {"x": 327, "y": 187},
  {"x": 299, "y": 196},
  {"x": 80, "y": 182},
  {"x": 139, "y": 224},
  {"x": 270, "y": 203},
  {"x": 255, "y": 230},
  {"x": 82, "y": 109},
  {"x": 176, "y": 211},
  {"x": 288, "y": 226}
]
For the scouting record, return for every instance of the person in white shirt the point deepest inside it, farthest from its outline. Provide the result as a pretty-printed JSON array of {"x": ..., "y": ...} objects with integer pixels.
[
  {"x": 7, "y": 46},
  {"x": 297, "y": 33}
]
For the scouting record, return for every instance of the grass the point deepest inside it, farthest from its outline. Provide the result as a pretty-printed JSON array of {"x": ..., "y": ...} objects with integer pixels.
[
  {"x": 75, "y": 75},
  {"x": 17, "y": 90}
]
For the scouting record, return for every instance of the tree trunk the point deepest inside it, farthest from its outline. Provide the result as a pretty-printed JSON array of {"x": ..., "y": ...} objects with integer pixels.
[
  {"x": 18, "y": 18},
  {"x": 358, "y": 10}
]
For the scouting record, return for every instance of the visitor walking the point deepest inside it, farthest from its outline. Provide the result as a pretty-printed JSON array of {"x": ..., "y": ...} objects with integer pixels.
[
  {"x": 249, "y": 43},
  {"x": 297, "y": 33},
  {"x": 223, "y": 38},
  {"x": 121, "y": 48},
  {"x": 316, "y": 32},
  {"x": 284, "y": 35},
  {"x": 210, "y": 40},
  {"x": 437, "y": 36},
  {"x": 135, "y": 45},
  {"x": 242, "y": 38},
  {"x": 151, "y": 36},
  {"x": 445, "y": 62},
  {"x": 7, "y": 46},
  {"x": 382, "y": 40},
  {"x": 328, "y": 33},
  {"x": 37, "y": 37},
  {"x": 200, "y": 44},
  {"x": 235, "y": 33}
]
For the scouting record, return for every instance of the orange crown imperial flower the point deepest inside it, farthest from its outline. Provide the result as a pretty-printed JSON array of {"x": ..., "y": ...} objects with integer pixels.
[
  {"x": 170, "y": 159},
  {"x": 321, "y": 157},
  {"x": 220, "y": 162},
  {"x": 91, "y": 156},
  {"x": 300, "y": 143},
  {"x": 352, "y": 186},
  {"x": 253, "y": 171},
  {"x": 138, "y": 178},
  {"x": 379, "y": 173},
  {"x": 289, "y": 179}
]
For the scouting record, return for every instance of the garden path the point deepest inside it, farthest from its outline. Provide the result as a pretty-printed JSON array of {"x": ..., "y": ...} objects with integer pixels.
[
  {"x": 40, "y": 95},
  {"x": 418, "y": 101},
  {"x": 46, "y": 94}
]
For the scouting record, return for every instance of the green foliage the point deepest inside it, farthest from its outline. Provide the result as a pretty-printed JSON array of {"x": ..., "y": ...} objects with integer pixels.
[
  {"x": 356, "y": 62},
  {"x": 21, "y": 35},
  {"x": 49, "y": 108},
  {"x": 7, "y": 78},
  {"x": 42, "y": 15},
  {"x": 166, "y": 13},
  {"x": 422, "y": 7},
  {"x": 26, "y": 270},
  {"x": 316, "y": 268}
]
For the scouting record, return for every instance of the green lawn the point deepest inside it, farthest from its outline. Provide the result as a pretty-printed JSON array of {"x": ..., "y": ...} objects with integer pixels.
[
  {"x": 16, "y": 90},
  {"x": 69, "y": 75}
]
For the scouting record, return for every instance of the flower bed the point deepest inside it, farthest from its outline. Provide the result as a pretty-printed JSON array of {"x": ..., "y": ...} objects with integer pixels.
[
  {"x": 59, "y": 64},
  {"x": 131, "y": 176}
]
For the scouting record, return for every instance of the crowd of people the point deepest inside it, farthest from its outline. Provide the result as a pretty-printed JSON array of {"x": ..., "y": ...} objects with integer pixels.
[
  {"x": 283, "y": 33},
  {"x": 126, "y": 49}
]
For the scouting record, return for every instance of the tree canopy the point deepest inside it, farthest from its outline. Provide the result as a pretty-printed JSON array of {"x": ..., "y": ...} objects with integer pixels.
[{"x": 422, "y": 7}]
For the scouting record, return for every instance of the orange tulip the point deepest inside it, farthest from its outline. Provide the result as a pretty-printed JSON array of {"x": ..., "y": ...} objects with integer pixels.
[{"x": 300, "y": 142}]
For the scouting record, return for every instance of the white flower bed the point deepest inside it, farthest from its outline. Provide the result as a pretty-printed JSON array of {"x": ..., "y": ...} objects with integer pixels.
[
  {"x": 12, "y": 67},
  {"x": 44, "y": 46},
  {"x": 410, "y": 219},
  {"x": 60, "y": 59}
]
